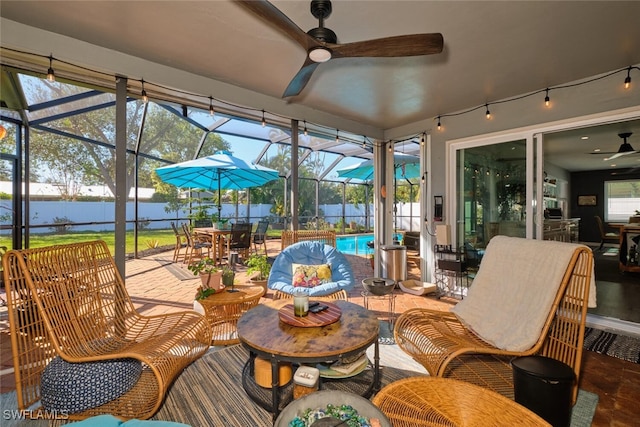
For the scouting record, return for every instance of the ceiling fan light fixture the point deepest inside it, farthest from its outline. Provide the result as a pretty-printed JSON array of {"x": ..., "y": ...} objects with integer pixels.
[{"x": 320, "y": 54}]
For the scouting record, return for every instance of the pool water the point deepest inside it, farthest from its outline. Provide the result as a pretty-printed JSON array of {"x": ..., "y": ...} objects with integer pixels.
[{"x": 356, "y": 244}]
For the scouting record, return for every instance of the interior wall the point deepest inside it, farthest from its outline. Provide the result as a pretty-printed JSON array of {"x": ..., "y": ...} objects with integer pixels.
[{"x": 591, "y": 182}]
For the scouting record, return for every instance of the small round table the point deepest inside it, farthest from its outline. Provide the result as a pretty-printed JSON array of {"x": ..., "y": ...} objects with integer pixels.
[
  {"x": 391, "y": 301},
  {"x": 432, "y": 401},
  {"x": 223, "y": 309}
]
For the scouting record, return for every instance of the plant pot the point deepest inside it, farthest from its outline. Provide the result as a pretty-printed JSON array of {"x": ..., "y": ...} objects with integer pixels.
[
  {"x": 227, "y": 280},
  {"x": 212, "y": 280},
  {"x": 259, "y": 282}
]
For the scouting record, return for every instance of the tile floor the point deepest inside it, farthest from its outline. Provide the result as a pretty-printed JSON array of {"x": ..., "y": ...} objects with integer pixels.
[{"x": 155, "y": 290}]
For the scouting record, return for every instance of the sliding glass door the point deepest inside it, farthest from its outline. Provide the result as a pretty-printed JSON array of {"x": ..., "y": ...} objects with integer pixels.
[{"x": 493, "y": 194}]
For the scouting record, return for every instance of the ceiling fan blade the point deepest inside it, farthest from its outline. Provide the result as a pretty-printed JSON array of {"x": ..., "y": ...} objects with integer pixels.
[
  {"x": 616, "y": 155},
  {"x": 407, "y": 45},
  {"x": 274, "y": 17},
  {"x": 301, "y": 79}
]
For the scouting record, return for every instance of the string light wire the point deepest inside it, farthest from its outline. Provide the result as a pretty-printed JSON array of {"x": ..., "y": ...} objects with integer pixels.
[{"x": 627, "y": 85}]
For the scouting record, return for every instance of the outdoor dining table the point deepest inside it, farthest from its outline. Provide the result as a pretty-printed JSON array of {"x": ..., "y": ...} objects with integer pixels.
[{"x": 217, "y": 240}]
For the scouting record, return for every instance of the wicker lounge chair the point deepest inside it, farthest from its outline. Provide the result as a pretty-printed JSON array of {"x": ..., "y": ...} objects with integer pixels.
[
  {"x": 447, "y": 347},
  {"x": 68, "y": 304},
  {"x": 311, "y": 253},
  {"x": 328, "y": 237}
]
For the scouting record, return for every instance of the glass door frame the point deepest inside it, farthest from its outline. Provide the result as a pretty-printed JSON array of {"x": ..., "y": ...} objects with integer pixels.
[
  {"x": 454, "y": 176},
  {"x": 534, "y": 137}
]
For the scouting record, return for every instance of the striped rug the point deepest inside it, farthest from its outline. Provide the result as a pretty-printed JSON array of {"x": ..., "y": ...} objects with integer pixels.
[
  {"x": 209, "y": 392},
  {"x": 614, "y": 345}
]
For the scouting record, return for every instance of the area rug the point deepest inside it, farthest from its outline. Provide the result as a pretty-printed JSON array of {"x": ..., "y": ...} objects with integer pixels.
[
  {"x": 209, "y": 393},
  {"x": 614, "y": 345},
  {"x": 180, "y": 272}
]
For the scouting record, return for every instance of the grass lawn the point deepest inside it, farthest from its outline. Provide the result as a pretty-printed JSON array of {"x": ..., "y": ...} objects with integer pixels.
[{"x": 147, "y": 239}]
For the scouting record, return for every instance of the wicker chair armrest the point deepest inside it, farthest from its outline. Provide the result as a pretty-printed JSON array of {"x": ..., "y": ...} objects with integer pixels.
[{"x": 434, "y": 338}]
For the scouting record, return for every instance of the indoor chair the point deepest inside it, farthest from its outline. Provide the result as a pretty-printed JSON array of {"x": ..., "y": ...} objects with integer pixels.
[
  {"x": 606, "y": 236},
  {"x": 529, "y": 297},
  {"x": 314, "y": 254}
]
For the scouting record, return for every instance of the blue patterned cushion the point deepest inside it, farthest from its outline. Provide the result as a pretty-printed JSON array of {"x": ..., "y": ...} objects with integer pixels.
[{"x": 76, "y": 387}]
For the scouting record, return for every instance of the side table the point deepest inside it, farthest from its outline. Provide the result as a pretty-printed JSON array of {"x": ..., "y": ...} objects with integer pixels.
[
  {"x": 223, "y": 309},
  {"x": 433, "y": 401},
  {"x": 391, "y": 301}
]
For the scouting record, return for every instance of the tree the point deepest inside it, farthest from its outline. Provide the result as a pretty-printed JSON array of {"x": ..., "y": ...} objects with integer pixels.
[{"x": 87, "y": 155}]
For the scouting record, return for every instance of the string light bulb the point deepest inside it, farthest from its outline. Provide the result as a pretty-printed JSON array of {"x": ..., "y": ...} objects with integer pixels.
[
  {"x": 337, "y": 136},
  {"x": 211, "y": 111},
  {"x": 264, "y": 122},
  {"x": 546, "y": 98},
  {"x": 364, "y": 141},
  {"x": 487, "y": 113},
  {"x": 439, "y": 124},
  {"x": 422, "y": 139},
  {"x": 305, "y": 129},
  {"x": 627, "y": 81},
  {"x": 143, "y": 93},
  {"x": 423, "y": 179},
  {"x": 51, "y": 76},
  {"x": 391, "y": 146}
]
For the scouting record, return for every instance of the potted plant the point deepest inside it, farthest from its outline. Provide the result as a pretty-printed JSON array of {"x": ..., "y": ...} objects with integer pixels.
[
  {"x": 258, "y": 269},
  {"x": 228, "y": 276},
  {"x": 210, "y": 275}
]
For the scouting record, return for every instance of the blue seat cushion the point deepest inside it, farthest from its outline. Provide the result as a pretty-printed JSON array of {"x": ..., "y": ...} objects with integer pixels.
[
  {"x": 76, "y": 387},
  {"x": 311, "y": 253}
]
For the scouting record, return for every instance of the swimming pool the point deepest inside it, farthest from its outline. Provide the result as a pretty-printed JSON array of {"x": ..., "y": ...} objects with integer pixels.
[{"x": 356, "y": 244}]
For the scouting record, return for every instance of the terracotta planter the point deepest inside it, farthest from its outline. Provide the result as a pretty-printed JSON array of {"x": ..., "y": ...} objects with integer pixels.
[
  {"x": 262, "y": 283},
  {"x": 212, "y": 280}
]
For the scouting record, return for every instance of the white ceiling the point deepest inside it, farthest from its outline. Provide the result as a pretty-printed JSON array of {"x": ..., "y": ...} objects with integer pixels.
[{"x": 492, "y": 49}]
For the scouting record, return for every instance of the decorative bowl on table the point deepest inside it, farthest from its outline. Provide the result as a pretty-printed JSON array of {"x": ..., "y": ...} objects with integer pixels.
[
  {"x": 317, "y": 404},
  {"x": 378, "y": 286}
]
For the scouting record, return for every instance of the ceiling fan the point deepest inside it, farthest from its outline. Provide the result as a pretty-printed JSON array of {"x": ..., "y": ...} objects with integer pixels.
[
  {"x": 322, "y": 45},
  {"x": 625, "y": 147}
]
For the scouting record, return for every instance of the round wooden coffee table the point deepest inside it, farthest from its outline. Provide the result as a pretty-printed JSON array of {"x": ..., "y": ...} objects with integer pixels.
[
  {"x": 263, "y": 333},
  {"x": 431, "y": 401}
]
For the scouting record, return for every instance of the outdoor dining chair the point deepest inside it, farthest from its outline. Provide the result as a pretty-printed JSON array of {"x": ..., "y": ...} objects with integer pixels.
[
  {"x": 240, "y": 239},
  {"x": 196, "y": 245},
  {"x": 260, "y": 236},
  {"x": 180, "y": 245}
]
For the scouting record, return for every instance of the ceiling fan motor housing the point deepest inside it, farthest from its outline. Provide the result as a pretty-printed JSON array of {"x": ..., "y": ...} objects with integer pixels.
[
  {"x": 625, "y": 147},
  {"x": 323, "y": 34},
  {"x": 321, "y": 9}
]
